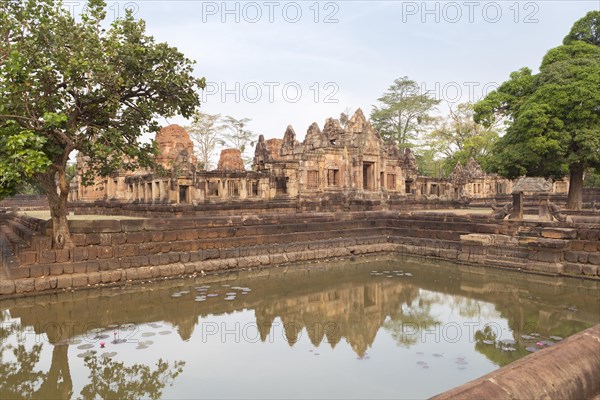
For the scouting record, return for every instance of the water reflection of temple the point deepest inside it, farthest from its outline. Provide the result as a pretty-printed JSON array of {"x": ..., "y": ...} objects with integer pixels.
[{"x": 329, "y": 305}]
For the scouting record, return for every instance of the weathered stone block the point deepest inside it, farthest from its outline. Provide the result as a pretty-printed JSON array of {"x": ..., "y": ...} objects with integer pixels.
[
  {"x": 132, "y": 225},
  {"x": 169, "y": 236},
  {"x": 47, "y": 257},
  {"x": 94, "y": 278},
  {"x": 7, "y": 287},
  {"x": 80, "y": 280},
  {"x": 56, "y": 269},
  {"x": 42, "y": 284},
  {"x": 590, "y": 269},
  {"x": 92, "y": 266},
  {"x": 145, "y": 273},
  {"x": 36, "y": 271},
  {"x": 594, "y": 258},
  {"x": 106, "y": 225},
  {"x": 62, "y": 256},
  {"x": 28, "y": 257},
  {"x": 118, "y": 238},
  {"x": 92, "y": 238},
  {"x": 24, "y": 285},
  {"x": 79, "y": 253},
  {"x": 105, "y": 239},
  {"x": 132, "y": 274},
  {"x": 135, "y": 237},
  {"x": 78, "y": 239},
  {"x": 64, "y": 281},
  {"x": 67, "y": 268},
  {"x": 105, "y": 252},
  {"x": 156, "y": 236},
  {"x": 559, "y": 233},
  {"x": 591, "y": 246}
]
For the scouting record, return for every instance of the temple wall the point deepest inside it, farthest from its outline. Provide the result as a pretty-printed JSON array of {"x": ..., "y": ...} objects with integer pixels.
[{"x": 116, "y": 251}]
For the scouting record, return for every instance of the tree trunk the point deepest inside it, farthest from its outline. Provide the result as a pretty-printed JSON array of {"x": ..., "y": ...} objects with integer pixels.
[
  {"x": 56, "y": 187},
  {"x": 575, "y": 198}
]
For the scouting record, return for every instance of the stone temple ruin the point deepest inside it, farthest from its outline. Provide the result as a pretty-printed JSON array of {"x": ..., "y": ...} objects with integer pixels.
[{"x": 333, "y": 163}]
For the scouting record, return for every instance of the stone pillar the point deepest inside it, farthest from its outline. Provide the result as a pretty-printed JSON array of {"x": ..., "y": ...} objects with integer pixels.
[
  {"x": 517, "y": 210},
  {"x": 544, "y": 212}
]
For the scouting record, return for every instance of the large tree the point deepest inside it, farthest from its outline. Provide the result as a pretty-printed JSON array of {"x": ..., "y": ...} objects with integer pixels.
[
  {"x": 75, "y": 84},
  {"x": 206, "y": 132},
  {"x": 237, "y": 136},
  {"x": 457, "y": 137},
  {"x": 554, "y": 115},
  {"x": 404, "y": 112}
]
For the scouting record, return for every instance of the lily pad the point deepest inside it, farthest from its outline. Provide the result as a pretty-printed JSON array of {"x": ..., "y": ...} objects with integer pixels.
[
  {"x": 89, "y": 353},
  {"x": 212, "y": 295},
  {"x": 86, "y": 346},
  {"x": 108, "y": 355},
  {"x": 164, "y": 333},
  {"x": 556, "y": 338},
  {"x": 488, "y": 342},
  {"x": 148, "y": 334},
  {"x": 531, "y": 349}
]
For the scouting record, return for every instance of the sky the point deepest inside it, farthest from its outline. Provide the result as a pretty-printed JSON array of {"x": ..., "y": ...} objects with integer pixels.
[{"x": 283, "y": 63}]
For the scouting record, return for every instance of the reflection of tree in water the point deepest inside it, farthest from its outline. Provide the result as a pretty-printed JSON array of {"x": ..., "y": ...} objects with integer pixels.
[
  {"x": 114, "y": 380},
  {"x": 494, "y": 351},
  {"x": 406, "y": 326},
  {"x": 18, "y": 379}
]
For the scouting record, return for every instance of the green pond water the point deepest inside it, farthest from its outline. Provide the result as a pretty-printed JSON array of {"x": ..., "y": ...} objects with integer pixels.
[{"x": 376, "y": 328}]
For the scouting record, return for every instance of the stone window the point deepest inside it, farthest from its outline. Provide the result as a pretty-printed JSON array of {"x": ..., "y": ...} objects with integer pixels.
[
  {"x": 254, "y": 189},
  {"x": 312, "y": 179},
  {"x": 213, "y": 188},
  {"x": 391, "y": 182},
  {"x": 333, "y": 177},
  {"x": 233, "y": 189}
]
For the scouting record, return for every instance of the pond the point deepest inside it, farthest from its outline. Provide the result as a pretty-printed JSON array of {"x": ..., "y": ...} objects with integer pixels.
[{"x": 368, "y": 328}]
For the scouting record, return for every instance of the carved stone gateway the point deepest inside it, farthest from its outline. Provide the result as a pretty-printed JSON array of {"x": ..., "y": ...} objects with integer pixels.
[{"x": 531, "y": 186}]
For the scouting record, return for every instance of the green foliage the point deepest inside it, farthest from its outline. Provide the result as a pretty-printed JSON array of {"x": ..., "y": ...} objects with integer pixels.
[
  {"x": 592, "y": 178},
  {"x": 71, "y": 85},
  {"x": 236, "y": 136},
  {"x": 458, "y": 138},
  {"x": 587, "y": 29},
  {"x": 404, "y": 112},
  {"x": 554, "y": 115}
]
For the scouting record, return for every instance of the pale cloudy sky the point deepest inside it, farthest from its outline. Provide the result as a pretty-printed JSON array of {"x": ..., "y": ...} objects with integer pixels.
[{"x": 285, "y": 62}]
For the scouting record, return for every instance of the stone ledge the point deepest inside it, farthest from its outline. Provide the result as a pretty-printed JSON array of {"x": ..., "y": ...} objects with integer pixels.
[{"x": 568, "y": 370}]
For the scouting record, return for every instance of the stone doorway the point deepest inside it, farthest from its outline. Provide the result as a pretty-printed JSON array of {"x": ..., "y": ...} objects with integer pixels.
[
  {"x": 183, "y": 192},
  {"x": 368, "y": 175}
]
